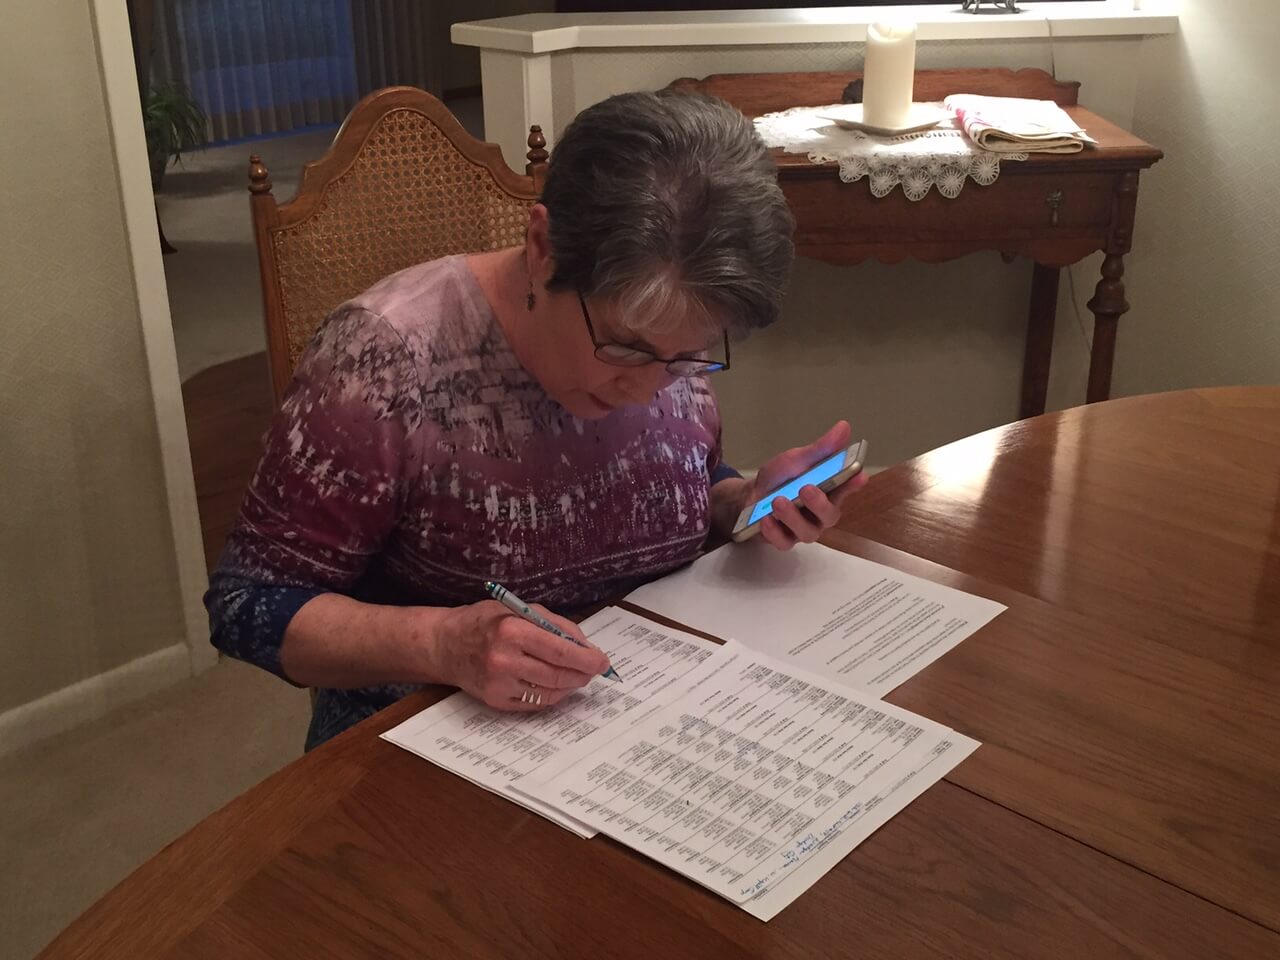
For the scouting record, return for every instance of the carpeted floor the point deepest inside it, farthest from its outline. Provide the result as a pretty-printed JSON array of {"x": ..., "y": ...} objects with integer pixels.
[{"x": 82, "y": 810}]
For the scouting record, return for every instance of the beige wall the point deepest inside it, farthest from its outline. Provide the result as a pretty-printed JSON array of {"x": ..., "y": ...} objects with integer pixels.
[
  {"x": 1204, "y": 277},
  {"x": 908, "y": 353},
  {"x": 919, "y": 355},
  {"x": 914, "y": 355},
  {"x": 89, "y": 579}
]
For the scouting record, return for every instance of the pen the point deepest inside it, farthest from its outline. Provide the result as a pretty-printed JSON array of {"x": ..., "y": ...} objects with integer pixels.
[{"x": 522, "y": 609}]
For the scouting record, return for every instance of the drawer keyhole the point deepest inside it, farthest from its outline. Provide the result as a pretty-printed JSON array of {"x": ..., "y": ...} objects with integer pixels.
[{"x": 1054, "y": 203}]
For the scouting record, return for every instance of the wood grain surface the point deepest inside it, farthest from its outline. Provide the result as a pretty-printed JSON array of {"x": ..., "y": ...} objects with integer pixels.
[{"x": 1124, "y": 803}]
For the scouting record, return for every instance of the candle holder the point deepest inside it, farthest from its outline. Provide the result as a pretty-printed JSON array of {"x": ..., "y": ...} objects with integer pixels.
[{"x": 1009, "y": 6}]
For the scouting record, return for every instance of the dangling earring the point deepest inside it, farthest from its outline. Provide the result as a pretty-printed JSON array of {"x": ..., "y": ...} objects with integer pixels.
[{"x": 531, "y": 299}]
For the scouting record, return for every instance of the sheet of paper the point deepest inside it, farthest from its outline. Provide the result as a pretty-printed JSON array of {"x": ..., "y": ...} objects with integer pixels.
[
  {"x": 822, "y": 849},
  {"x": 830, "y": 612},
  {"x": 494, "y": 749},
  {"x": 757, "y": 779}
]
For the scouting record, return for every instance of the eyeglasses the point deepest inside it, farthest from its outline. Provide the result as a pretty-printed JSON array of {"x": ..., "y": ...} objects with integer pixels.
[{"x": 620, "y": 355}]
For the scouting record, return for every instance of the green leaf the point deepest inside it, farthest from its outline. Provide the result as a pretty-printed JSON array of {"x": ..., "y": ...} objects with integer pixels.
[{"x": 173, "y": 121}]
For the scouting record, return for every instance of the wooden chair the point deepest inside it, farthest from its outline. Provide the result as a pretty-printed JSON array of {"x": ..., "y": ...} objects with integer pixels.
[{"x": 401, "y": 184}]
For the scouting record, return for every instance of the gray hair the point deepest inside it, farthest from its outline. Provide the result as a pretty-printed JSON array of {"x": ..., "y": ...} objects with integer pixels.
[{"x": 669, "y": 202}]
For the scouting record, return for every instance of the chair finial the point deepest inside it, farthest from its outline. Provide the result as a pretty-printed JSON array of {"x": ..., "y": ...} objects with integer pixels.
[
  {"x": 259, "y": 179},
  {"x": 537, "y": 146}
]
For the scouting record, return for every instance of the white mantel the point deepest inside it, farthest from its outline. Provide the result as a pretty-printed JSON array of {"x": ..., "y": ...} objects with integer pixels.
[
  {"x": 561, "y": 63},
  {"x": 549, "y": 32}
]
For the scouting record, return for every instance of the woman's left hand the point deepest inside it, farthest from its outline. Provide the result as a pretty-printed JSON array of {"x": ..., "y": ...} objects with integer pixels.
[{"x": 803, "y": 520}]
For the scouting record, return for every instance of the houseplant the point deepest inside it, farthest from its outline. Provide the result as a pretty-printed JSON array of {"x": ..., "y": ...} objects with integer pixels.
[{"x": 173, "y": 122}]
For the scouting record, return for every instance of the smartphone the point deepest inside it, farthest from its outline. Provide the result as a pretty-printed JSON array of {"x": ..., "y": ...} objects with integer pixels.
[{"x": 827, "y": 475}]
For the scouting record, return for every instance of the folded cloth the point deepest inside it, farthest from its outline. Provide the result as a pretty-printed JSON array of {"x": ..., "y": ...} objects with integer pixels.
[{"x": 1012, "y": 125}]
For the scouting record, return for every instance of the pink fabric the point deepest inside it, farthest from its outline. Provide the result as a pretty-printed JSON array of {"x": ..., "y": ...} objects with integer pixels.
[{"x": 414, "y": 458}]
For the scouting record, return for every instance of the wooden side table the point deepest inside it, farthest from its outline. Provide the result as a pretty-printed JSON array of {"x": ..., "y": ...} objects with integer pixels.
[{"x": 1053, "y": 209}]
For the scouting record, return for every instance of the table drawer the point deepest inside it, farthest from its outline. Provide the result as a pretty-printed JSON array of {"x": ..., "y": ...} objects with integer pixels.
[{"x": 1018, "y": 207}]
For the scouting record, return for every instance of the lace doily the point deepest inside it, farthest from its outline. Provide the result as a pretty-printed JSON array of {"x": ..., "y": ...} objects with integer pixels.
[{"x": 942, "y": 157}]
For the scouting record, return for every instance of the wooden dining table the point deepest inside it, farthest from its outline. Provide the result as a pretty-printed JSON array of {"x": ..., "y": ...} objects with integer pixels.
[{"x": 1125, "y": 801}]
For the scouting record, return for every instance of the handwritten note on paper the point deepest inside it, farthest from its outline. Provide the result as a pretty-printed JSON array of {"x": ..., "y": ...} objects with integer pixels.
[
  {"x": 495, "y": 748},
  {"x": 757, "y": 779},
  {"x": 824, "y": 610},
  {"x": 776, "y": 885}
]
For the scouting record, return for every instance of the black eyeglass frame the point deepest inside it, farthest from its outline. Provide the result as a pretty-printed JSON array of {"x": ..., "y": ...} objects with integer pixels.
[{"x": 676, "y": 366}]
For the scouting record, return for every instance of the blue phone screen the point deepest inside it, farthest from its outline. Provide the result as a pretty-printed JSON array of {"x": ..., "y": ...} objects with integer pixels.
[{"x": 825, "y": 470}]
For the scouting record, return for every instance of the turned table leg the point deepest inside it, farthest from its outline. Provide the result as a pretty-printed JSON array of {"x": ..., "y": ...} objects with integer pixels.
[
  {"x": 1039, "y": 351},
  {"x": 1108, "y": 303},
  {"x": 1108, "y": 306}
]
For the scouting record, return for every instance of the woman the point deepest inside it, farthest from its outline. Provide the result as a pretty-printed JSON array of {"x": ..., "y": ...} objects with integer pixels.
[{"x": 537, "y": 416}]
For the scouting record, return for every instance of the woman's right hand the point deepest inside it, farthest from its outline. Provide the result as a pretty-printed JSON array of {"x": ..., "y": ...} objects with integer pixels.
[{"x": 498, "y": 657}]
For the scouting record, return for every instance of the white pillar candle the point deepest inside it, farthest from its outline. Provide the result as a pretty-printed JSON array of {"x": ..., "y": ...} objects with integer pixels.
[{"x": 889, "y": 74}]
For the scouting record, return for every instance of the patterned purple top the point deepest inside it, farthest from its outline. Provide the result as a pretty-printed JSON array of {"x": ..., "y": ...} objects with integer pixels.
[{"x": 413, "y": 458}]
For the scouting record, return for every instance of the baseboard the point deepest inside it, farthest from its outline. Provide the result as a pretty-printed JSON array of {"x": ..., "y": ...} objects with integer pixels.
[{"x": 92, "y": 698}]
